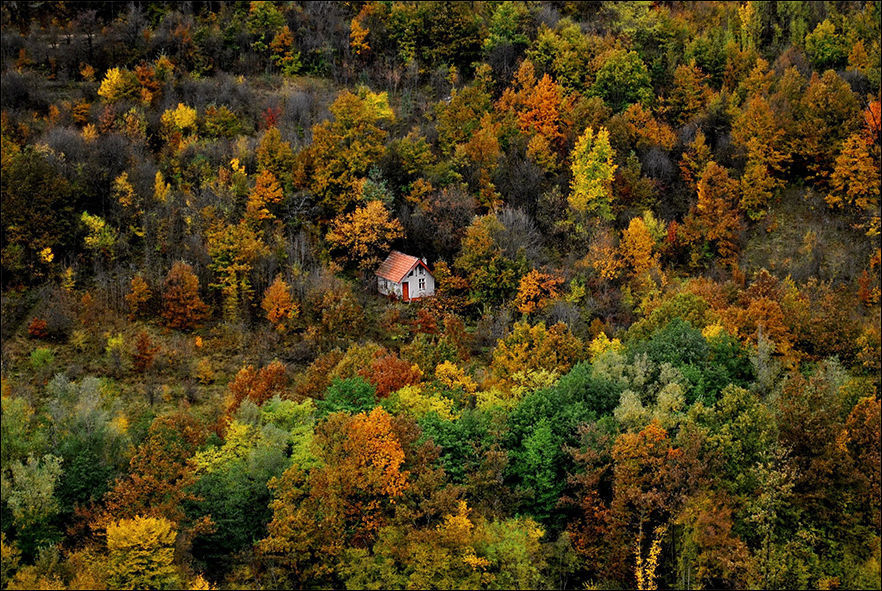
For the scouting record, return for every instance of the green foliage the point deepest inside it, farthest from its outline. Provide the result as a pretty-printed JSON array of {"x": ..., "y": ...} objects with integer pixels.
[
  {"x": 350, "y": 395},
  {"x": 826, "y": 48},
  {"x": 623, "y": 80},
  {"x": 42, "y": 357}
]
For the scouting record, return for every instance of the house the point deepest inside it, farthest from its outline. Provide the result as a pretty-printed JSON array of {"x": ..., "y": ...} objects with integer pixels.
[{"x": 405, "y": 277}]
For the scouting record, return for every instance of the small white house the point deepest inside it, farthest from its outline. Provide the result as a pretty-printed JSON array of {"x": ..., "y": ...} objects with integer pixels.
[{"x": 405, "y": 277}]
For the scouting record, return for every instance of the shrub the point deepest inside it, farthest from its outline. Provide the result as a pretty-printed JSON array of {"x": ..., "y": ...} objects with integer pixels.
[{"x": 41, "y": 357}]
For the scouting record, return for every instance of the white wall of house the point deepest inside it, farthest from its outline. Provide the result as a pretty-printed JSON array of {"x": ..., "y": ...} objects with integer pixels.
[{"x": 420, "y": 284}]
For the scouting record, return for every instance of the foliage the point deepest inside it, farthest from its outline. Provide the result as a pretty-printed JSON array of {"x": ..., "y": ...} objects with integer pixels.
[
  {"x": 141, "y": 554},
  {"x": 183, "y": 308},
  {"x": 593, "y": 168},
  {"x": 364, "y": 236}
]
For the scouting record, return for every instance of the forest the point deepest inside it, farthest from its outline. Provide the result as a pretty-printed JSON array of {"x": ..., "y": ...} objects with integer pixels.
[{"x": 651, "y": 359}]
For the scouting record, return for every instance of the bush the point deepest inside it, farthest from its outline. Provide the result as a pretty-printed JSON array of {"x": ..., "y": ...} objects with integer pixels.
[{"x": 42, "y": 357}]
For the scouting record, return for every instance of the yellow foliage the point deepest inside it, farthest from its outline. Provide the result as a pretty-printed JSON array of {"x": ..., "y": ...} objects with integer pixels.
[
  {"x": 713, "y": 331},
  {"x": 239, "y": 440},
  {"x": 636, "y": 247},
  {"x": 117, "y": 85},
  {"x": 364, "y": 236},
  {"x": 452, "y": 376},
  {"x": 142, "y": 553},
  {"x": 601, "y": 344},
  {"x": 160, "y": 187},
  {"x": 593, "y": 168},
  {"x": 123, "y": 190},
  {"x": 412, "y": 399},
  {"x": 46, "y": 255},
  {"x": 182, "y": 118},
  {"x": 645, "y": 571}
]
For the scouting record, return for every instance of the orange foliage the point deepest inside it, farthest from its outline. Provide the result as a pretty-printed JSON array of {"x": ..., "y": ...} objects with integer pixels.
[
  {"x": 159, "y": 475},
  {"x": 636, "y": 247},
  {"x": 266, "y": 193},
  {"x": 138, "y": 298},
  {"x": 145, "y": 351},
  {"x": 716, "y": 218},
  {"x": 278, "y": 304},
  {"x": 536, "y": 290},
  {"x": 258, "y": 386},
  {"x": 182, "y": 309},
  {"x": 388, "y": 373}
]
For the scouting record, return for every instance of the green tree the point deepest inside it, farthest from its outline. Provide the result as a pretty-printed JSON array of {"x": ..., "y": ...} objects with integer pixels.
[{"x": 622, "y": 80}]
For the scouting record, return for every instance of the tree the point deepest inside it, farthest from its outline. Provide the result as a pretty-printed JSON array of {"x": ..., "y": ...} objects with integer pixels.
[
  {"x": 492, "y": 276},
  {"x": 266, "y": 193},
  {"x": 234, "y": 249},
  {"x": 343, "y": 151},
  {"x": 542, "y": 110},
  {"x": 31, "y": 499},
  {"x": 535, "y": 290},
  {"x": 827, "y": 49},
  {"x": 388, "y": 373},
  {"x": 363, "y": 238},
  {"x": 182, "y": 308},
  {"x": 145, "y": 351},
  {"x": 118, "y": 84},
  {"x": 351, "y": 395},
  {"x": 138, "y": 297},
  {"x": 715, "y": 219},
  {"x": 142, "y": 554},
  {"x": 636, "y": 246},
  {"x": 38, "y": 212},
  {"x": 535, "y": 347},
  {"x": 278, "y": 305},
  {"x": 258, "y": 386},
  {"x": 159, "y": 474},
  {"x": 827, "y": 114},
  {"x": 689, "y": 95},
  {"x": 593, "y": 168},
  {"x": 622, "y": 80},
  {"x": 854, "y": 184}
]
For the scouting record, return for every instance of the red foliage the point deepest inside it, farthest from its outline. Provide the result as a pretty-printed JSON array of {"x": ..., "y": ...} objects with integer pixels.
[
  {"x": 38, "y": 329},
  {"x": 145, "y": 351},
  {"x": 271, "y": 117},
  {"x": 258, "y": 386},
  {"x": 389, "y": 373}
]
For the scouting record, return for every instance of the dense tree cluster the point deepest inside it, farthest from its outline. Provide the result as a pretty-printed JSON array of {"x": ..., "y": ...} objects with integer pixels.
[{"x": 652, "y": 359}]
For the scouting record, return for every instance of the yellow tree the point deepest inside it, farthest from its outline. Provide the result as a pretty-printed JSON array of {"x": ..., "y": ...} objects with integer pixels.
[
  {"x": 344, "y": 150},
  {"x": 535, "y": 290},
  {"x": 593, "y": 169},
  {"x": 854, "y": 183},
  {"x": 363, "y": 237},
  {"x": 636, "y": 247},
  {"x": 266, "y": 193},
  {"x": 142, "y": 554},
  {"x": 234, "y": 248},
  {"x": 759, "y": 132}
]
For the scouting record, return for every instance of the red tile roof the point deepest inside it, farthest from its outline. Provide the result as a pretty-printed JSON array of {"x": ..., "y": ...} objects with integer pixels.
[{"x": 397, "y": 265}]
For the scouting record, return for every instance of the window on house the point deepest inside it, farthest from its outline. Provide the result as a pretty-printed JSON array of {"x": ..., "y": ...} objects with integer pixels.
[
  {"x": 422, "y": 284},
  {"x": 422, "y": 271}
]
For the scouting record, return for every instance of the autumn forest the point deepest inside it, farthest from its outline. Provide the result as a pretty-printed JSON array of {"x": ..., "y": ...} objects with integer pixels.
[{"x": 648, "y": 355}]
